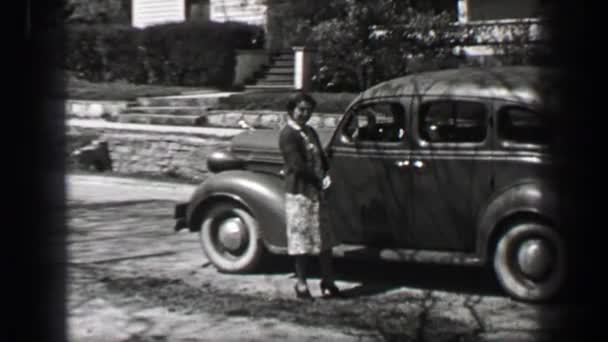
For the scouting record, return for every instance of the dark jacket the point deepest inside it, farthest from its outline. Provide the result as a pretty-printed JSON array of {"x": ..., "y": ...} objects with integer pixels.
[{"x": 299, "y": 168}]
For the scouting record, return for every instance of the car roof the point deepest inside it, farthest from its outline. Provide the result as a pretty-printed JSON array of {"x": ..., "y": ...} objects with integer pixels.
[{"x": 523, "y": 84}]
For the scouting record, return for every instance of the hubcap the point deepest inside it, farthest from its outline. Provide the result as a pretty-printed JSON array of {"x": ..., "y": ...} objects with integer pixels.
[
  {"x": 232, "y": 234},
  {"x": 535, "y": 258}
]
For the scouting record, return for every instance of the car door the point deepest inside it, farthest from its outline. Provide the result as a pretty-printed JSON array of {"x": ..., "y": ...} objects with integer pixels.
[
  {"x": 370, "y": 194},
  {"x": 451, "y": 170}
]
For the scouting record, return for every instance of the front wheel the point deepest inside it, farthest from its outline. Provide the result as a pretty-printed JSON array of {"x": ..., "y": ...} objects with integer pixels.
[
  {"x": 230, "y": 238},
  {"x": 530, "y": 262}
]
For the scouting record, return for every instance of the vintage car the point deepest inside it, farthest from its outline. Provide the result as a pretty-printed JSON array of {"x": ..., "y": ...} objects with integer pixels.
[{"x": 450, "y": 166}]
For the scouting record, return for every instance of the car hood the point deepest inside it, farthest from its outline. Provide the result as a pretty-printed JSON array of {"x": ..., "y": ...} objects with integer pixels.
[{"x": 268, "y": 140}]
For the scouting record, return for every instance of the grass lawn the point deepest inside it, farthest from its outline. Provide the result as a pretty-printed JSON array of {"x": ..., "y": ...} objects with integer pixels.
[
  {"x": 326, "y": 102},
  {"x": 78, "y": 89}
]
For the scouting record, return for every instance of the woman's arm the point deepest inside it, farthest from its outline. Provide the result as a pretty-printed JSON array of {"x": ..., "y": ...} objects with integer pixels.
[{"x": 324, "y": 160}]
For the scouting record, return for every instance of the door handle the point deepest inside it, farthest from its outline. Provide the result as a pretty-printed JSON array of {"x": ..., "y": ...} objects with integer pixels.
[
  {"x": 418, "y": 164},
  {"x": 402, "y": 163}
]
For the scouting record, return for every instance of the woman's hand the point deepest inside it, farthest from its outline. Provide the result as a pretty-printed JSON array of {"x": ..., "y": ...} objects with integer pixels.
[{"x": 326, "y": 182}]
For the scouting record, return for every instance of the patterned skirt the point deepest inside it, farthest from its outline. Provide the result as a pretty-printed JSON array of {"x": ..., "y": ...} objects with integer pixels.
[{"x": 305, "y": 233}]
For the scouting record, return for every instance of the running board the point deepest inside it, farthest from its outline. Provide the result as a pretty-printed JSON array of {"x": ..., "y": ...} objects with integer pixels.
[
  {"x": 407, "y": 255},
  {"x": 401, "y": 255}
]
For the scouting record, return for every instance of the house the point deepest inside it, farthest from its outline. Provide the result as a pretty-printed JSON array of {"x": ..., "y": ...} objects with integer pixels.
[
  {"x": 494, "y": 25},
  {"x": 152, "y": 12},
  {"x": 494, "y": 20}
]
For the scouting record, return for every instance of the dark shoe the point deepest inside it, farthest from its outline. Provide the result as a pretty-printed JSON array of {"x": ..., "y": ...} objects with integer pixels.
[
  {"x": 330, "y": 290},
  {"x": 302, "y": 294}
]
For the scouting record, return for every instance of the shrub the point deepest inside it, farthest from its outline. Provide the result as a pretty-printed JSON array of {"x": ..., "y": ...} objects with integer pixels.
[
  {"x": 182, "y": 54},
  {"x": 194, "y": 53},
  {"x": 121, "y": 60},
  {"x": 82, "y": 53},
  {"x": 375, "y": 41}
]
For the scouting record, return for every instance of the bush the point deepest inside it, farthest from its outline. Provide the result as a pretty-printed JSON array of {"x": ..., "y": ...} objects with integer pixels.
[
  {"x": 119, "y": 48},
  {"x": 373, "y": 41},
  {"x": 194, "y": 53},
  {"x": 376, "y": 41},
  {"x": 182, "y": 54},
  {"x": 82, "y": 53}
]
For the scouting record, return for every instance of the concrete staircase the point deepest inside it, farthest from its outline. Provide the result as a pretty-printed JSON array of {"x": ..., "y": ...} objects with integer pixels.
[
  {"x": 201, "y": 108},
  {"x": 178, "y": 110},
  {"x": 277, "y": 76}
]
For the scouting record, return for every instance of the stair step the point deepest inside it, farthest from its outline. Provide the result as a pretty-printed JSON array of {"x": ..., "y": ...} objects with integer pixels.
[
  {"x": 273, "y": 82},
  {"x": 277, "y": 78},
  {"x": 289, "y": 64},
  {"x": 169, "y": 110},
  {"x": 280, "y": 70},
  {"x": 200, "y": 92},
  {"x": 283, "y": 52},
  {"x": 276, "y": 87},
  {"x": 160, "y": 119},
  {"x": 283, "y": 58}
]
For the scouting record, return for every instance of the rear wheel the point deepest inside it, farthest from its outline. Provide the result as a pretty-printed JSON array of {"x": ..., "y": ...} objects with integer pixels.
[
  {"x": 230, "y": 238},
  {"x": 530, "y": 262}
]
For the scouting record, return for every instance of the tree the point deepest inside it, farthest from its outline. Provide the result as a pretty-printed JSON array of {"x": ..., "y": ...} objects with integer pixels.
[
  {"x": 370, "y": 41},
  {"x": 98, "y": 11}
]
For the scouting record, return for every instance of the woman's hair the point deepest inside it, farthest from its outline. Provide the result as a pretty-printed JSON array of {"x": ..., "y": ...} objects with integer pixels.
[{"x": 296, "y": 98}]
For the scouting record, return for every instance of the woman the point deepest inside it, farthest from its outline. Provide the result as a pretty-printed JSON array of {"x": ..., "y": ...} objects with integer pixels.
[{"x": 305, "y": 179}]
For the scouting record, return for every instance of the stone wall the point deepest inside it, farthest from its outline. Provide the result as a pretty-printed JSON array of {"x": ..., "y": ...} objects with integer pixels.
[
  {"x": 155, "y": 153},
  {"x": 265, "y": 119},
  {"x": 94, "y": 108}
]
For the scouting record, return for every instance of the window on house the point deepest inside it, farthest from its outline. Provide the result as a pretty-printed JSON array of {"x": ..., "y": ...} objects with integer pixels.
[
  {"x": 500, "y": 9},
  {"x": 453, "y": 121},
  {"x": 197, "y": 10}
]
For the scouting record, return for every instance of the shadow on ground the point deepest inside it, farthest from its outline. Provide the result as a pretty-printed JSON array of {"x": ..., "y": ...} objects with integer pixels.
[
  {"x": 374, "y": 276},
  {"x": 377, "y": 276}
]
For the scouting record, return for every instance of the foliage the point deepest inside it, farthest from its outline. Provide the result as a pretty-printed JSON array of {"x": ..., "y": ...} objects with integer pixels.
[
  {"x": 97, "y": 12},
  {"x": 289, "y": 23},
  {"x": 169, "y": 54},
  {"x": 180, "y": 54},
  {"x": 377, "y": 40},
  {"x": 361, "y": 42}
]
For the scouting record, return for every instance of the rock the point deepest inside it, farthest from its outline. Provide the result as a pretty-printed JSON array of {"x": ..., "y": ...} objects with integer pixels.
[
  {"x": 330, "y": 121},
  {"x": 252, "y": 119},
  {"x": 95, "y": 155},
  {"x": 215, "y": 120},
  {"x": 315, "y": 122},
  {"x": 270, "y": 121},
  {"x": 232, "y": 119}
]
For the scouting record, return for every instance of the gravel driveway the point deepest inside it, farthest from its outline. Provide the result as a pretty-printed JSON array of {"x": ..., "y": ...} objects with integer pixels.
[{"x": 131, "y": 278}]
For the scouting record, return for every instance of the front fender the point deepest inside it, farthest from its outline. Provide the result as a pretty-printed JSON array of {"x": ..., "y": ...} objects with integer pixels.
[
  {"x": 531, "y": 199},
  {"x": 262, "y": 194}
]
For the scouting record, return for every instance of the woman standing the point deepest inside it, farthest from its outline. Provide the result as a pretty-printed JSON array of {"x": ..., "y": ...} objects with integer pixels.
[{"x": 305, "y": 179}]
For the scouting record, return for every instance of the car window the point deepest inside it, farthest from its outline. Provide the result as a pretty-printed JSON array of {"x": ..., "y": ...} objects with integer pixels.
[
  {"x": 522, "y": 125},
  {"x": 377, "y": 122},
  {"x": 453, "y": 121}
]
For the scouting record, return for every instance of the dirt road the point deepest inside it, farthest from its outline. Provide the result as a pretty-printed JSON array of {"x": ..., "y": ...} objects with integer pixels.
[{"x": 131, "y": 278}]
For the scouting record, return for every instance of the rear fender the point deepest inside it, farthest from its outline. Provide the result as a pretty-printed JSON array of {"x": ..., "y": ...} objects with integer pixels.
[
  {"x": 262, "y": 194},
  {"x": 533, "y": 200}
]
